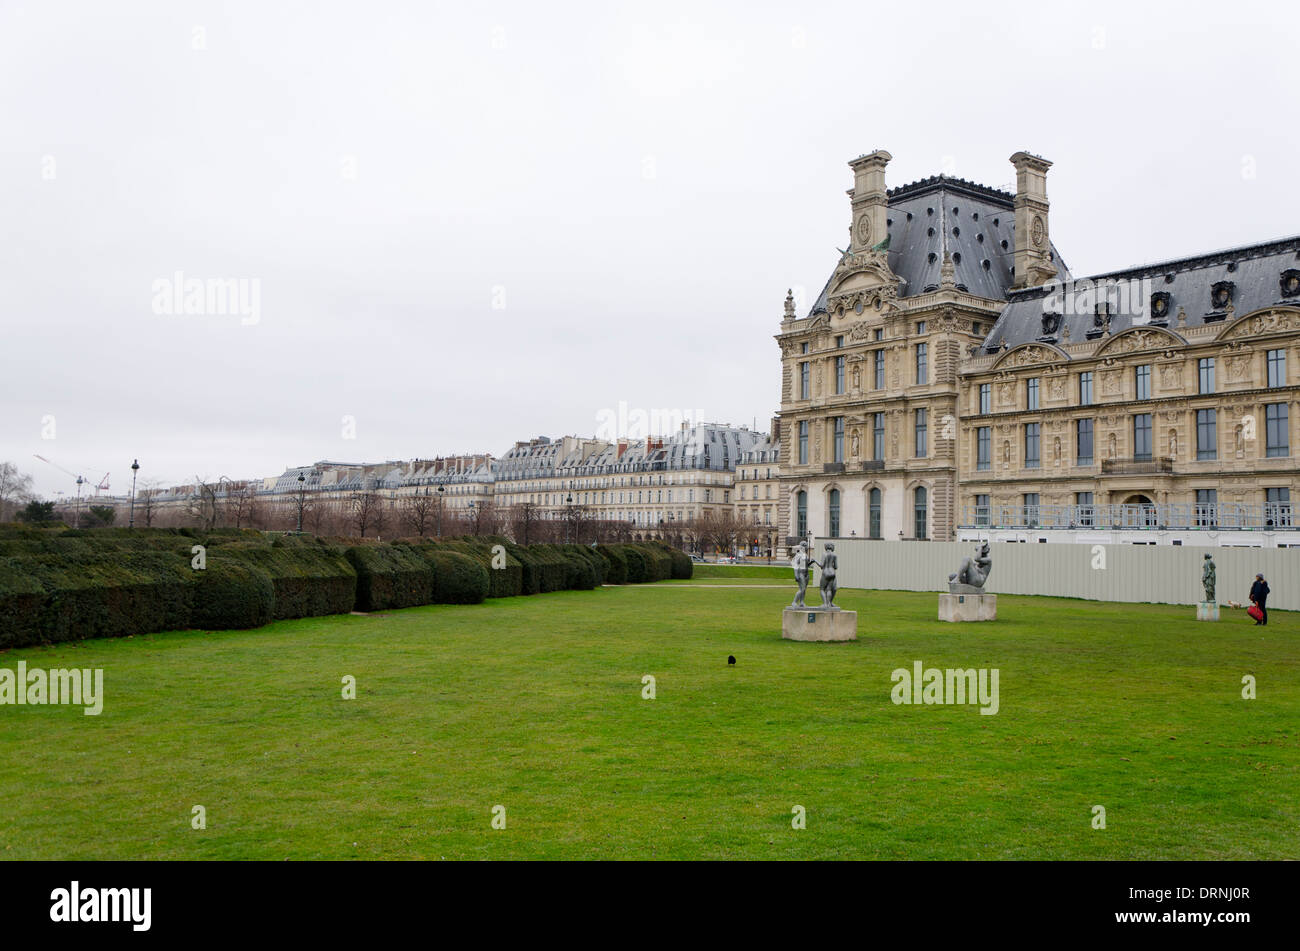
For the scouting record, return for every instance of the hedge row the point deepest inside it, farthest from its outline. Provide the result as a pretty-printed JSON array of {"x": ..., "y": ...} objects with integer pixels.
[{"x": 58, "y": 585}]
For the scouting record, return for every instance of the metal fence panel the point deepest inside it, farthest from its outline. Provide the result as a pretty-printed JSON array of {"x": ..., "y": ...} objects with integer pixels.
[{"x": 1164, "y": 574}]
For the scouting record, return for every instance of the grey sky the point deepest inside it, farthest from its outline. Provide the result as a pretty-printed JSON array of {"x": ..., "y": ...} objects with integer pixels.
[{"x": 637, "y": 184}]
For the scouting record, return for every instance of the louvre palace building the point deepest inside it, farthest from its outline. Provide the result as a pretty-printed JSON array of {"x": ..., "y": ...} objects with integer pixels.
[{"x": 954, "y": 380}]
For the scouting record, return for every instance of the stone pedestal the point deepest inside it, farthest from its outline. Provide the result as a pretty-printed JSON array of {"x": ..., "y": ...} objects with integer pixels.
[
  {"x": 1207, "y": 611},
  {"x": 819, "y": 624},
  {"x": 968, "y": 607}
]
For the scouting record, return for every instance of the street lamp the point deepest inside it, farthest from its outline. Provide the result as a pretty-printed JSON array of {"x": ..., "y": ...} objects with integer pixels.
[
  {"x": 135, "y": 468},
  {"x": 568, "y": 501},
  {"x": 77, "y": 510},
  {"x": 440, "y": 491},
  {"x": 473, "y": 521},
  {"x": 302, "y": 498}
]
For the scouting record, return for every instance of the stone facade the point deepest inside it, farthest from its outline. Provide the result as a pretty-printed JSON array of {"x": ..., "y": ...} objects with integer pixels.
[{"x": 953, "y": 374}]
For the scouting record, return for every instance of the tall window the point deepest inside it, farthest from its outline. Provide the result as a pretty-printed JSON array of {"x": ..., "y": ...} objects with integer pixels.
[
  {"x": 835, "y": 513},
  {"x": 839, "y": 341},
  {"x": 981, "y": 510},
  {"x": 922, "y": 440},
  {"x": 922, "y": 363},
  {"x": 1083, "y": 442},
  {"x": 1031, "y": 509},
  {"x": 879, "y": 359},
  {"x": 1205, "y": 374},
  {"x": 805, "y": 381},
  {"x": 839, "y": 374},
  {"x": 1277, "y": 368},
  {"x": 920, "y": 326},
  {"x": 1277, "y": 508},
  {"x": 803, "y": 348},
  {"x": 1086, "y": 512},
  {"x": 873, "y": 508},
  {"x": 838, "y": 440},
  {"x": 1142, "y": 437},
  {"x": 1207, "y": 434},
  {"x": 983, "y": 447},
  {"x": 1207, "y": 503},
  {"x": 1277, "y": 438},
  {"x": 1085, "y": 389},
  {"x": 986, "y": 398},
  {"x": 1143, "y": 381},
  {"x": 801, "y": 514},
  {"x": 919, "y": 511},
  {"x": 878, "y": 334},
  {"x": 1031, "y": 393},
  {"x": 878, "y": 436},
  {"x": 1031, "y": 446},
  {"x": 803, "y": 442}
]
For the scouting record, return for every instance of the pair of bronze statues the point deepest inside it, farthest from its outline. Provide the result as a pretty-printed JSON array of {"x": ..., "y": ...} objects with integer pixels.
[{"x": 801, "y": 564}]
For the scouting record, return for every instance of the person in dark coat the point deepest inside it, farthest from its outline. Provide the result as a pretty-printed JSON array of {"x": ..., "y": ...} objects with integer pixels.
[{"x": 1259, "y": 595}]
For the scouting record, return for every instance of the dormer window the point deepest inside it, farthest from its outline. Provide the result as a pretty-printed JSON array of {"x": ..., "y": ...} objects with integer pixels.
[
  {"x": 1290, "y": 283},
  {"x": 1160, "y": 305},
  {"x": 1221, "y": 294}
]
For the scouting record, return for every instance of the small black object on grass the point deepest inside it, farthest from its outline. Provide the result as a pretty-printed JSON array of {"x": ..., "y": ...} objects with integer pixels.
[{"x": 731, "y": 661}]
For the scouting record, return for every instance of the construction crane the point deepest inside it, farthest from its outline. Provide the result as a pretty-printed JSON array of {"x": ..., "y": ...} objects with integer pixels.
[{"x": 101, "y": 486}]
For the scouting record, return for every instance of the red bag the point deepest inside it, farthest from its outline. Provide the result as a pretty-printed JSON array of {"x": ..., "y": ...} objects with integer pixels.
[{"x": 1255, "y": 612}]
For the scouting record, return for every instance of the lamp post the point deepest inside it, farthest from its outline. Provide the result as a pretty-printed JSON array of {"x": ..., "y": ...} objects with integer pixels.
[
  {"x": 440, "y": 493},
  {"x": 135, "y": 468},
  {"x": 471, "y": 516},
  {"x": 568, "y": 501},
  {"x": 302, "y": 498},
  {"x": 77, "y": 511}
]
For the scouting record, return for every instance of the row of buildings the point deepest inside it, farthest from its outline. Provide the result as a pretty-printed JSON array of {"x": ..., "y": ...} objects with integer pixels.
[{"x": 953, "y": 380}]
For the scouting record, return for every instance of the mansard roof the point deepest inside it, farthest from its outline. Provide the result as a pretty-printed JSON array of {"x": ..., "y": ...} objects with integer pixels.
[
  {"x": 975, "y": 223},
  {"x": 1252, "y": 277}
]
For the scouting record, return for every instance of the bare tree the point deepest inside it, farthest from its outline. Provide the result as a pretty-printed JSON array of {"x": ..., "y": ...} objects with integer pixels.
[
  {"x": 202, "y": 504},
  {"x": 418, "y": 513},
  {"x": 523, "y": 522},
  {"x": 15, "y": 490},
  {"x": 363, "y": 506},
  {"x": 146, "y": 502},
  {"x": 241, "y": 502},
  {"x": 383, "y": 511}
]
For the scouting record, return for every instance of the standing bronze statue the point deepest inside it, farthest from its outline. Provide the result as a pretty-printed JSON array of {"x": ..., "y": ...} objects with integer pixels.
[
  {"x": 828, "y": 583},
  {"x": 800, "y": 564},
  {"x": 1207, "y": 577}
]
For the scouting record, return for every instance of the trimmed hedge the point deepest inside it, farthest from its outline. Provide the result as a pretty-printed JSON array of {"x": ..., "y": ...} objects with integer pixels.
[
  {"x": 110, "y": 595},
  {"x": 61, "y": 584},
  {"x": 615, "y": 564},
  {"x": 309, "y": 581},
  {"x": 231, "y": 594},
  {"x": 389, "y": 576},
  {"x": 457, "y": 578}
]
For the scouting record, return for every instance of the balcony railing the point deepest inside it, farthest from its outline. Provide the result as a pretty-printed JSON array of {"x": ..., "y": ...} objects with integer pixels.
[
  {"x": 1263, "y": 516},
  {"x": 1136, "y": 465}
]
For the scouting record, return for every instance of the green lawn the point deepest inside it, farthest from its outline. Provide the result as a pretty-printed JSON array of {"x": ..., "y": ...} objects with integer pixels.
[{"x": 535, "y": 704}]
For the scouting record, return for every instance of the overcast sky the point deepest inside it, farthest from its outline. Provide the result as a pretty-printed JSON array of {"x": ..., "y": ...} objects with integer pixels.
[{"x": 475, "y": 223}]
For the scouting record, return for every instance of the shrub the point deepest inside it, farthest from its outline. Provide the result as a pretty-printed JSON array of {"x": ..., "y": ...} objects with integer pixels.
[
  {"x": 109, "y": 595},
  {"x": 682, "y": 566},
  {"x": 638, "y": 571},
  {"x": 502, "y": 582},
  {"x": 615, "y": 564},
  {"x": 659, "y": 564},
  {"x": 457, "y": 578},
  {"x": 231, "y": 594},
  {"x": 390, "y": 577},
  {"x": 22, "y": 598},
  {"x": 309, "y": 581}
]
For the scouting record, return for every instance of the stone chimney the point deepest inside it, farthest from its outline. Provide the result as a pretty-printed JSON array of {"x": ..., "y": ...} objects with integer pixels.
[
  {"x": 1033, "y": 262},
  {"x": 869, "y": 200}
]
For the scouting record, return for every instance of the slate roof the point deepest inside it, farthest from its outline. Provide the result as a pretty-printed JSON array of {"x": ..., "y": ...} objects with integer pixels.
[
  {"x": 979, "y": 225},
  {"x": 1253, "y": 271}
]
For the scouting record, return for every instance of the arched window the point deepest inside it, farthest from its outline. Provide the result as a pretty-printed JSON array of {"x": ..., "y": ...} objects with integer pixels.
[
  {"x": 920, "y": 510},
  {"x": 834, "y": 513},
  {"x": 801, "y": 514},
  {"x": 873, "y": 527}
]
